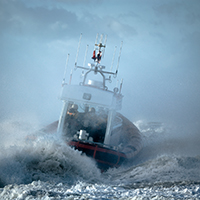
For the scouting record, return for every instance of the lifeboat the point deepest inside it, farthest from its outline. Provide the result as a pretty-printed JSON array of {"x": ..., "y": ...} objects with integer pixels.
[{"x": 90, "y": 120}]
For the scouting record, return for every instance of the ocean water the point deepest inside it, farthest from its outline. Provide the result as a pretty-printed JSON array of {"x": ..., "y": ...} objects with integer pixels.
[{"x": 44, "y": 167}]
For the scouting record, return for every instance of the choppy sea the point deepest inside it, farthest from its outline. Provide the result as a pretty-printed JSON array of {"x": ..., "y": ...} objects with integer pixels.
[{"x": 44, "y": 167}]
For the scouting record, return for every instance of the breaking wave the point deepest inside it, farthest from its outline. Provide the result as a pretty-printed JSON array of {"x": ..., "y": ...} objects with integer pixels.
[
  {"x": 43, "y": 157},
  {"x": 44, "y": 166}
]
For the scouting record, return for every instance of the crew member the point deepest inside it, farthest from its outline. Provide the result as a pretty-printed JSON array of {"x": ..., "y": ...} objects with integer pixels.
[{"x": 71, "y": 120}]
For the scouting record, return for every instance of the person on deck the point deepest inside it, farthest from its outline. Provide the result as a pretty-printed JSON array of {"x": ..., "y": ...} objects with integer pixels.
[{"x": 72, "y": 120}]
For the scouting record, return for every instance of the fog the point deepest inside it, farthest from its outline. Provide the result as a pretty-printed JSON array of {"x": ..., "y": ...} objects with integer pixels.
[{"x": 159, "y": 62}]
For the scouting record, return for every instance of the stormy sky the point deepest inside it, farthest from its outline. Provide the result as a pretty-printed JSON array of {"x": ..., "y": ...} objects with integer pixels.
[{"x": 159, "y": 60}]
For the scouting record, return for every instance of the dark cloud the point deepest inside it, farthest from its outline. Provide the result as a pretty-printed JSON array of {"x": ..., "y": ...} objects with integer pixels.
[
  {"x": 51, "y": 23},
  {"x": 159, "y": 61},
  {"x": 178, "y": 12},
  {"x": 44, "y": 23}
]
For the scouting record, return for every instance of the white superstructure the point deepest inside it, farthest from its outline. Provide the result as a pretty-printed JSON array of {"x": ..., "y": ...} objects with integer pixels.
[{"x": 92, "y": 93}]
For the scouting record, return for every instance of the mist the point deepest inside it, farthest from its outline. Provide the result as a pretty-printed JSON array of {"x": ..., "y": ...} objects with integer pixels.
[{"x": 159, "y": 62}]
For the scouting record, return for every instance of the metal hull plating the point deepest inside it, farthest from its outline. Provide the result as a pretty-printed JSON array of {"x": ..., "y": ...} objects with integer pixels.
[{"x": 104, "y": 156}]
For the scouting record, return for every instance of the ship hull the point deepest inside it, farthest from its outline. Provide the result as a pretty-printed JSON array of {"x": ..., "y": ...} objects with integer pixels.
[
  {"x": 108, "y": 156},
  {"x": 104, "y": 156}
]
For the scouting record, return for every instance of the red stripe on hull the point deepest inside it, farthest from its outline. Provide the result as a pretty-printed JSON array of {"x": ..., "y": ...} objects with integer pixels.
[{"x": 104, "y": 156}]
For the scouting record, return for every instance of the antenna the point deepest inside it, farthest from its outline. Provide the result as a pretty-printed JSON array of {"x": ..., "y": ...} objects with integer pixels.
[
  {"x": 105, "y": 40},
  {"x": 120, "y": 89},
  {"x": 97, "y": 58},
  {"x": 96, "y": 41},
  {"x": 65, "y": 69},
  {"x": 70, "y": 79},
  {"x": 78, "y": 50},
  {"x": 100, "y": 45},
  {"x": 85, "y": 55},
  {"x": 119, "y": 58},
  {"x": 104, "y": 45},
  {"x": 101, "y": 38},
  {"x": 113, "y": 58}
]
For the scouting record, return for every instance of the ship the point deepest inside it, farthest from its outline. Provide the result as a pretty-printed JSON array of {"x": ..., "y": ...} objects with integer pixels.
[{"x": 90, "y": 120}]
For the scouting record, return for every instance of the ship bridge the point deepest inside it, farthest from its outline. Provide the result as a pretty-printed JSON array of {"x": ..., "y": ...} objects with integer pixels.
[{"x": 91, "y": 94}]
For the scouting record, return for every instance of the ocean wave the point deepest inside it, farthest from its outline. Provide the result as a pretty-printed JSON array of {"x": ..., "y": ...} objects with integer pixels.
[{"x": 47, "y": 159}]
